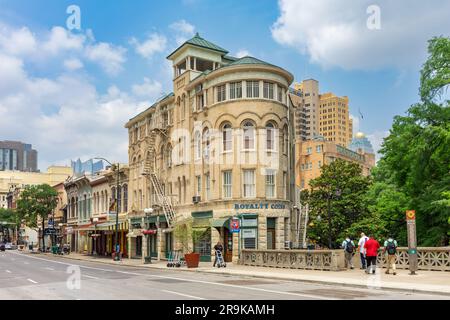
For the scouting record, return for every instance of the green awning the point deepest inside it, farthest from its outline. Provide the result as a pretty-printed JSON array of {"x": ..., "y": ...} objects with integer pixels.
[
  {"x": 219, "y": 223},
  {"x": 201, "y": 223}
]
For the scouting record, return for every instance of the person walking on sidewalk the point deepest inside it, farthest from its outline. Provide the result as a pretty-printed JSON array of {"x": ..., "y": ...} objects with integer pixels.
[
  {"x": 390, "y": 247},
  {"x": 217, "y": 247},
  {"x": 349, "y": 248},
  {"x": 371, "y": 247},
  {"x": 362, "y": 251}
]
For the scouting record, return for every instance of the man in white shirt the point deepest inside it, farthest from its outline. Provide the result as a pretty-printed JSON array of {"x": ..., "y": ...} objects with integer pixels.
[{"x": 362, "y": 251}]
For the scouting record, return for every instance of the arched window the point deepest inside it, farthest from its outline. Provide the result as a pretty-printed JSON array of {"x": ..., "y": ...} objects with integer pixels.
[
  {"x": 113, "y": 194},
  {"x": 227, "y": 137},
  {"x": 183, "y": 111},
  {"x": 285, "y": 140},
  {"x": 249, "y": 135},
  {"x": 197, "y": 145},
  {"x": 169, "y": 156},
  {"x": 270, "y": 136},
  {"x": 125, "y": 198},
  {"x": 119, "y": 199}
]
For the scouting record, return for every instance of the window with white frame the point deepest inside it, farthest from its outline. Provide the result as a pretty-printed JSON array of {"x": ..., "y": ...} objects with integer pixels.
[
  {"x": 207, "y": 186},
  {"x": 270, "y": 184},
  {"x": 207, "y": 141},
  {"x": 270, "y": 137},
  {"x": 252, "y": 89},
  {"x": 235, "y": 90},
  {"x": 227, "y": 137},
  {"x": 227, "y": 184},
  {"x": 249, "y": 183},
  {"x": 221, "y": 93},
  {"x": 249, "y": 135},
  {"x": 280, "y": 94},
  {"x": 268, "y": 90},
  {"x": 197, "y": 145}
]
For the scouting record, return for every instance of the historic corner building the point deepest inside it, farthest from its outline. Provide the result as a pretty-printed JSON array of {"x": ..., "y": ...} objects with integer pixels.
[{"x": 216, "y": 148}]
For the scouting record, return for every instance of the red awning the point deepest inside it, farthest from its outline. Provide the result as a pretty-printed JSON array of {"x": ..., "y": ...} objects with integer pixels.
[{"x": 154, "y": 231}]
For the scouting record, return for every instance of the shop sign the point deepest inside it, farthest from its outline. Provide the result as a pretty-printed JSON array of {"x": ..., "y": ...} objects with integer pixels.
[
  {"x": 234, "y": 224},
  {"x": 259, "y": 206},
  {"x": 253, "y": 222},
  {"x": 248, "y": 233}
]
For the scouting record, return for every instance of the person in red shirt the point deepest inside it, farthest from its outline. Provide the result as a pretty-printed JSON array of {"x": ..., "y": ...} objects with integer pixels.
[{"x": 372, "y": 246}]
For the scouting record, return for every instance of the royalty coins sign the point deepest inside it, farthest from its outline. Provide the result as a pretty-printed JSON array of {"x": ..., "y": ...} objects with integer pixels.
[
  {"x": 234, "y": 225},
  {"x": 412, "y": 240}
]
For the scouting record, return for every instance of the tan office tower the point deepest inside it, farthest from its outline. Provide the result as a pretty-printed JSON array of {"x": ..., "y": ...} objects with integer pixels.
[
  {"x": 334, "y": 120},
  {"x": 310, "y": 90}
]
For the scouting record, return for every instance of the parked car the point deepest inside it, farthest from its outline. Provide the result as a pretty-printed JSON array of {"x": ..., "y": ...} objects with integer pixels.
[
  {"x": 8, "y": 246},
  {"x": 2, "y": 247}
]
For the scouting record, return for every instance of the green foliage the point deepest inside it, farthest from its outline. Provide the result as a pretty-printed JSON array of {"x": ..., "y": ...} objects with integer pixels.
[
  {"x": 186, "y": 235},
  {"x": 346, "y": 207},
  {"x": 415, "y": 162},
  {"x": 7, "y": 215},
  {"x": 36, "y": 201}
]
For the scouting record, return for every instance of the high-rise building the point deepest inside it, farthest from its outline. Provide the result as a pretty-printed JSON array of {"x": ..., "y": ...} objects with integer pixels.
[
  {"x": 334, "y": 120},
  {"x": 87, "y": 167},
  {"x": 310, "y": 92},
  {"x": 17, "y": 156}
]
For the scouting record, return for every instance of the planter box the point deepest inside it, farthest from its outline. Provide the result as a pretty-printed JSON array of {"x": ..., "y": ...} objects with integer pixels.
[{"x": 192, "y": 260}]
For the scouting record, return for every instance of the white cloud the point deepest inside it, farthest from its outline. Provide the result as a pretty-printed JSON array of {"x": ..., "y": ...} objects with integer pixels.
[
  {"x": 17, "y": 42},
  {"x": 61, "y": 40},
  {"x": 182, "y": 26},
  {"x": 108, "y": 56},
  {"x": 73, "y": 64},
  {"x": 242, "y": 53},
  {"x": 333, "y": 34},
  {"x": 155, "y": 43},
  {"x": 376, "y": 138},
  {"x": 149, "y": 89}
]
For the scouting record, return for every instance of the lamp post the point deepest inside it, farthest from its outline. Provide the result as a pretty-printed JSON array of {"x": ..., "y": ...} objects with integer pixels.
[
  {"x": 60, "y": 225},
  {"x": 117, "y": 256},
  {"x": 94, "y": 251},
  {"x": 147, "y": 212}
]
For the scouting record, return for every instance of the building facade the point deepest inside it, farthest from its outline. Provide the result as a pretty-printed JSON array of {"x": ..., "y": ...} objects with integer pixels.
[
  {"x": 313, "y": 154},
  {"x": 216, "y": 148},
  {"x": 17, "y": 156}
]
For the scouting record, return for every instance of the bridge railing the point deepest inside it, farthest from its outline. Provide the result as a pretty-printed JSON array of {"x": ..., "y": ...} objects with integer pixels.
[{"x": 429, "y": 258}]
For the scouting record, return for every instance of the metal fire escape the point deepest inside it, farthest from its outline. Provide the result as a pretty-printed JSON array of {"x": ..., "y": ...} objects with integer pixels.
[{"x": 150, "y": 172}]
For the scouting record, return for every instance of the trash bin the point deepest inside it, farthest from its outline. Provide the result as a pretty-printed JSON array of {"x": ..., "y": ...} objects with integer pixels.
[
  {"x": 54, "y": 249},
  {"x": 148, "y": 259}
]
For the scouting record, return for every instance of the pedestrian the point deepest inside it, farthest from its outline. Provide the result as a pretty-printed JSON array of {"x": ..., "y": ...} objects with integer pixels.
[
  {"x": 390, "y": 247},
  {"x": 362, "y": 251},
  {"x": 371, "y": 247},
  {"x": 217, "y": 247},
  {"x": 349, "y": 248}
]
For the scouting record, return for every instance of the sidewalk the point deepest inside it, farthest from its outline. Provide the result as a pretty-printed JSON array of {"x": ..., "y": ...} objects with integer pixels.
[{"x": 433, "y": 282}]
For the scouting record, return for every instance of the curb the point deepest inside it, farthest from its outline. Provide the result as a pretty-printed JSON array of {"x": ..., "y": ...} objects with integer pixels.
[{"x": 274, "y": 277}]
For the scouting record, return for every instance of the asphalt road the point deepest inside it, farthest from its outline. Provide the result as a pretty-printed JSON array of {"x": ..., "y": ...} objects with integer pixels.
[{"x": 26, "y": 276}]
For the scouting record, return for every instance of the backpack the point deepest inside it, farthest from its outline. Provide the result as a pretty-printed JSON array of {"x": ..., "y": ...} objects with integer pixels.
[
  {"x": 349, "y": 247},
  {"x": 391, "y": 248}
]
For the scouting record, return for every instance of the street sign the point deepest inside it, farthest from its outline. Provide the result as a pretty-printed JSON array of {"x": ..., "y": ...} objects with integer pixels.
[
  {"x": 412, "y": 241},
  {"x": 234, "y": 225},
  {"x": 49, "y": 231}
]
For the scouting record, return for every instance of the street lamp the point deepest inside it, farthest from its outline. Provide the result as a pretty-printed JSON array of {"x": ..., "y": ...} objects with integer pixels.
[
  {"x": 95, "y": 220},
  {"x": 148, "y": 211},
  {"x": 60, "y": 225},
  {"x": 117, "y": 256}
]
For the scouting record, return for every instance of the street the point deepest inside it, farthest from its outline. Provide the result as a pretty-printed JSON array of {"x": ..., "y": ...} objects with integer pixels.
[{"x": 27, "y": 276}]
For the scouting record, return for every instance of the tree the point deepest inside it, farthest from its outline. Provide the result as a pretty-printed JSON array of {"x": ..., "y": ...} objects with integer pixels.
[
  {"x": 342, "y": 185},
  {"x": 34, "y": 202},
  {"x": 416, "y": 155}
]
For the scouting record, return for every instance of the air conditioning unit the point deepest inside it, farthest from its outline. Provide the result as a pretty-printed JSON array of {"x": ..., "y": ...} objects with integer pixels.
[
  {"x": 287, "y": 244},
  {"x": 196, "y": 199}
]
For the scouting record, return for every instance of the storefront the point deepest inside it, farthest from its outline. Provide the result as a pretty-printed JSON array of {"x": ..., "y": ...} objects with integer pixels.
[{"x": 201, "y": 233}]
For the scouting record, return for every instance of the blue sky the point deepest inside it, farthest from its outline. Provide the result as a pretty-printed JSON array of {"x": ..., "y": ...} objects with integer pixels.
[{"x": 115, "y": 65}]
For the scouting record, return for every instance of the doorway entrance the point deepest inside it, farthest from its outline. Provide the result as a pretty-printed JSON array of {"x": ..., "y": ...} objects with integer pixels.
[
  {"x": 228, "y": 245},
  {"x": 271, "y": 233}
]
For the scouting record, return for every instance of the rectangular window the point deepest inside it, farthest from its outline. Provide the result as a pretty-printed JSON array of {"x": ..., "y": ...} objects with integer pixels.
[
  {"x": 208, "y": 186},
  {"x": 285, "y": 184},
  {"x": 318, "y": 149},
  {"x": 249, "y": 183},
  {"x": 252, "y": 89},
  {"x": 268, "y": 90},
  {"x": 270, "y": 184},
  {"x": 280, "y": 94},
  {"x": 221, "y": 93},
  {"x": 199, "y": 185},
  {"x": 227, "y": 139},
  {"x": 249, "y": 238},
  {"x": 227, "y": 184},
  {"x": 235, "y": 90}
]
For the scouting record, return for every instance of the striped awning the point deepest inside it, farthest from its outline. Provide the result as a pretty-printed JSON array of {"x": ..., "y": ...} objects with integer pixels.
[{"x": 123, "y": 226}]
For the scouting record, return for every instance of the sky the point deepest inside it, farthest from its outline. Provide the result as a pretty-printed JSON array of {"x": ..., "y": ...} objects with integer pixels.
[{"x": 69, "y": 91}]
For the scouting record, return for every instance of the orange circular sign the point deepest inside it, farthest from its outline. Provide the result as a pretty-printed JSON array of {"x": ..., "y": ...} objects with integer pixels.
[{"x": 411, "y": 214}]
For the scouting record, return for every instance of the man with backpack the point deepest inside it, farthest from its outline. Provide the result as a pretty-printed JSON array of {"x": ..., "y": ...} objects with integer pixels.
[
  {"x": 390, "y": 247},
  {"x": 349, "y": 247},
  {"x": 371, "y": 247}
]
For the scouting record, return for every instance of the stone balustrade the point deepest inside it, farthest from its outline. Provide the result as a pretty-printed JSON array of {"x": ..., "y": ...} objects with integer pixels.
[
  {"x": 432, "y": 259},
  {"x": 332, "y": 260},
  {"x": 429, "y": 258}
]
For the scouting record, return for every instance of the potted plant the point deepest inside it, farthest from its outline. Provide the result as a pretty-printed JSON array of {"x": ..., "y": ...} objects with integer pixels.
[{"x": 183, "y": 233}]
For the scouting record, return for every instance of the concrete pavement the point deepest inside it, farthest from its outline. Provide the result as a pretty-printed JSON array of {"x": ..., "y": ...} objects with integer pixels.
[
  {"x": 428, "y": 282},
  {"x": 29, "y": 276}
]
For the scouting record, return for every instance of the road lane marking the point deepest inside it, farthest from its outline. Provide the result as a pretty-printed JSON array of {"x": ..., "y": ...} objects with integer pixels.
[
  {"x": 7, "y": 271},
  {"x": 85, "y": 275},
  {"x": 51, "y": 269},
  {"x": 184, "y": 295},
  {"x": 196, "y": 281},
  {"x": 26, "y": 262},
  {"x": 32, "y": 281}
]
